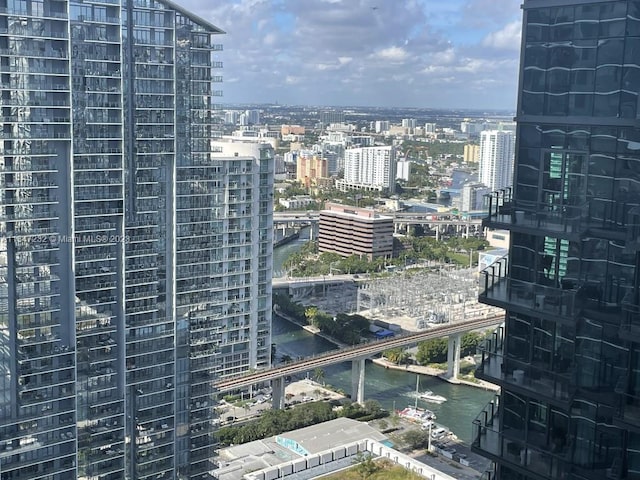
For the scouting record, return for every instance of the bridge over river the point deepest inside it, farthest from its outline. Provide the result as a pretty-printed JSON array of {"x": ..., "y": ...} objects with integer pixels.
[{"x": 357, "y": 355}]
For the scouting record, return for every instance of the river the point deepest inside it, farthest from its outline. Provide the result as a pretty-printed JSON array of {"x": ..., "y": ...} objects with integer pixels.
[{"x": 392, "y": 388}]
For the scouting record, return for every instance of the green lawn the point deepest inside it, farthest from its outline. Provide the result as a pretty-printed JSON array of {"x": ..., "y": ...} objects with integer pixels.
[{"x": 388, "y": 471}]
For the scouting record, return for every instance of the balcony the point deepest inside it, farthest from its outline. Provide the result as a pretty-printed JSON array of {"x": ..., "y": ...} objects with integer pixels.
[
  {"x": 498, "y": 289},
  {"x": 508, "y": 447},
  {"x": 505, "y": 213},
  {"x": 505, "y": 371},
  {"x": 628, "y": 409},
  {"x": 630, "y": 328}
]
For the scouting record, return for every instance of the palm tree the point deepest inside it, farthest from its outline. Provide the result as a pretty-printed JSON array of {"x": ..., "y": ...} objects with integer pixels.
[
  {"x": 318, "y": 375},
  {"x": 311, "y": 314},
  {"x": 396, "y": 355}
]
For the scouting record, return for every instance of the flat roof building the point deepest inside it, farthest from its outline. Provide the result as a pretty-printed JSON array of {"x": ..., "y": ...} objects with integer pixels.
[{"x": 348, "y": 231}]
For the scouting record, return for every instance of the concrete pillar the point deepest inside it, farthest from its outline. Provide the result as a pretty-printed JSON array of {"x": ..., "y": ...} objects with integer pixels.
[
  {"x": 437, "y": 233},
  {"x": 277, "y": 393},
  {"x": 357, "y": 380},
  {"x": 453, "y": 356}
]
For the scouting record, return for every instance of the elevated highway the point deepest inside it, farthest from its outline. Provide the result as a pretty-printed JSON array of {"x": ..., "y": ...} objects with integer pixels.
[
  {"x": 401, "y": 220},
  {"x": 398, "y": 217},
  {"x": 356, "y": 353}
]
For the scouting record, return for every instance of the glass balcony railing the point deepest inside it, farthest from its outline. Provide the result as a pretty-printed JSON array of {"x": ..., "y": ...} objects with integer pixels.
[
  {"x": 631, "y": 316},
  {"x": 509, "y": 446},
  {"x": 503, "y": 211},
  {"x": 607, "y": 216},
  {"x": 497, "y": 288},
  {"x": 499, "y": 369}
]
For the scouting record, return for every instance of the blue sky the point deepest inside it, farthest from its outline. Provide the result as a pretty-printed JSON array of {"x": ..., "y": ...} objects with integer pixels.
[{"x": 422, "y": 53}]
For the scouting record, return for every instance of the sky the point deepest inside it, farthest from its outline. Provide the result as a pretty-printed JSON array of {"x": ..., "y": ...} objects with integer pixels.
[{"x": 387, "y": 53}]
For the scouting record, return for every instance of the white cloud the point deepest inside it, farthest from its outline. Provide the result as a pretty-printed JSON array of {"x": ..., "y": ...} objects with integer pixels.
[
  {"x": 508, "y": 38},
  {"x": 345, "y": 52},
  {"x": 392, "y": 54}
]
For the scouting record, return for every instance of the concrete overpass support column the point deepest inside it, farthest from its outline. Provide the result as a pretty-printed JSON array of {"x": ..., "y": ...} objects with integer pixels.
[
  {"x": 466, "y": 231},
  {"x": 437, "y": 233},
  {"x": 357, "y": 380},
  {"x": 277, "y": 393},
  {"x": 453, "y": 356}
]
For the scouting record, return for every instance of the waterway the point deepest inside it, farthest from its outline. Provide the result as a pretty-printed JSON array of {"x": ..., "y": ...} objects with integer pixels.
[{"x": 392, "y": 388}]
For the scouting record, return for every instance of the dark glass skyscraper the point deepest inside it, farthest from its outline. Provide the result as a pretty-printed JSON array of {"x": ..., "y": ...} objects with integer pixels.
[
  {"x": 568, "y": 357},
  {"x": 135, "y": 260}
]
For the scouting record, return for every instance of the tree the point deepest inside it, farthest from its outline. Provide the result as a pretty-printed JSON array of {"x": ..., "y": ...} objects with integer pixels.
[
  {"x": 372, "y": 407},
  {"x": 286, "y": 358},
  {"x": 311, "y": 314},
  {"x": 469, "y": 343},
  {"x": 415, "y": 438},
  {"x": 432, "y": 351},
  {"x": 366, "y": 467},
  {"x": 396, "y": 355},
  {"x": 318, "y": 375}
]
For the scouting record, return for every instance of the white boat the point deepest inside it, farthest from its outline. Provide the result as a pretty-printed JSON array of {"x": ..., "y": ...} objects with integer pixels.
[
  {"x": 417, "y": 414},
  {"x": 429, "y": 396}
]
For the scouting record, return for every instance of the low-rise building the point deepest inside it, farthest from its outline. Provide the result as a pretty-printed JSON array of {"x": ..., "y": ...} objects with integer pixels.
[
  {"x": 348, "y": 231},
  {"x": 297, "y": 202}
]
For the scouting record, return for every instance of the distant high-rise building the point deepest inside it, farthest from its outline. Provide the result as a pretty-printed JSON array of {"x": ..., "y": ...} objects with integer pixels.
[
  {"x": 568, "y": 357},
  {"x": 472, "y": 129},
  {"x": 429, "y": 128},
  {"x": 471, "y": 153},
  {"x": 134, "y": 259},
  {"x": 472, "y": 196},
  {"x": 369, "y": 168},
  {"x": 253, "y": 117},
  {"x": 231, "y": 117},
  {"x": 409, "y": 123},
  {"x": 331, "y": 116},
  {"x": 310, "y": 168},
  {"x": 497, "y": 150},
  {"x": 381, "y": 126},
  {"x": 403, "y": 170}
]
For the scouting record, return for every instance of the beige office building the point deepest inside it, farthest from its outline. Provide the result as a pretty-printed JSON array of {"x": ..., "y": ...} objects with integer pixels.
[{"x": 348, "y": 231}]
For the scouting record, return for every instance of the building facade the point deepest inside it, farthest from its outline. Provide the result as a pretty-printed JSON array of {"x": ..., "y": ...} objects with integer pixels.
[
  {"x": 355, "y": 231},
  {"x": 471, "y": 153},
  {"x": 133, "y": 262},
  {"x": 369, "y": 168},
  {"x": 472, "y": 196},
  {"x": 568, "y": 357},
  {"x": 497, "y": 149},
  {"x": 310, "y": 168}
]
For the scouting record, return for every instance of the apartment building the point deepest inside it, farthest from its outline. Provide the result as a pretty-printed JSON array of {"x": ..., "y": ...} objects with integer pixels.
[
  {"x": 134, "y": 261},
  {"x": 568, "y": 357}
]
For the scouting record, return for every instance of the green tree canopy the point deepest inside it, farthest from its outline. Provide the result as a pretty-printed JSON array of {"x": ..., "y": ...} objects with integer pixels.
[{"x": 432, "y": 351}]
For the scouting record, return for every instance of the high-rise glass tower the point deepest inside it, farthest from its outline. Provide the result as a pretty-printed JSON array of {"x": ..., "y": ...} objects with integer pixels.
[
  {"x": 133, "y": 258},
  {"x": 497, "y": 149},
  {"x": 568, "y": 357}
]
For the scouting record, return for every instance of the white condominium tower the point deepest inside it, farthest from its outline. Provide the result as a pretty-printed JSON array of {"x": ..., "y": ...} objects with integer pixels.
[
  {"x": 369, "y": 168},
  {"x": 134, "y": 260},
  {"x": 497, "y": 150}
]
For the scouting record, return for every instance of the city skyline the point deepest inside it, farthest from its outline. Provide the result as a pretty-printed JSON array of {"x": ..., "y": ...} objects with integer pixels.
[{"x": 420, "y": 53}]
